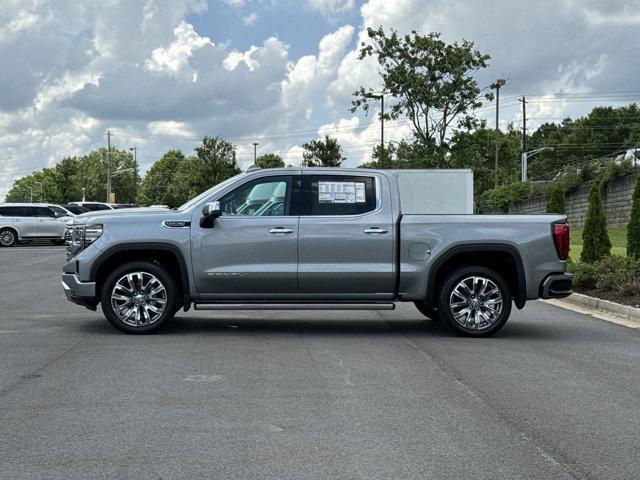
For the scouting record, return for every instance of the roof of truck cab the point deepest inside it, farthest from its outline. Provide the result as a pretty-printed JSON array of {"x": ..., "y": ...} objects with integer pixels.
[{"x": 357, "y": 170}]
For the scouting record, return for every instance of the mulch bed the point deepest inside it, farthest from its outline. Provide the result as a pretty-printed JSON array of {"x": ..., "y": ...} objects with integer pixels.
[{"x": 617, "y": 297}]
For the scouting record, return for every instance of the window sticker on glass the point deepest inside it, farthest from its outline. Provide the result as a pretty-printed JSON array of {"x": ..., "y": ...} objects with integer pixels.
[
  {"x": 341, "y": 192},
  {"x": 360, "y": 197}
]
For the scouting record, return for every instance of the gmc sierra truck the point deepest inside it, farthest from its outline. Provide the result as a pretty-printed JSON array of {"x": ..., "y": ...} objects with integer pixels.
[{"x": 305, "y": 238}]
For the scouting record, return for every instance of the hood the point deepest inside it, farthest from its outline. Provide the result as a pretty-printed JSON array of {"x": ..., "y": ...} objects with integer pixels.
[{"x": 125, "y": 211}]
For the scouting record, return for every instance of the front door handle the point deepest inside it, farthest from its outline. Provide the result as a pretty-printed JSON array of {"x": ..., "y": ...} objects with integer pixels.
[
  {"x": 375, "y": 231},
  {"x": 280, "y": 231}
]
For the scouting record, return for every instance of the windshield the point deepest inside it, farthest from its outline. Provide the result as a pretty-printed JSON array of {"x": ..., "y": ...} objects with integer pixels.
[{"x": 212, "y": 190}]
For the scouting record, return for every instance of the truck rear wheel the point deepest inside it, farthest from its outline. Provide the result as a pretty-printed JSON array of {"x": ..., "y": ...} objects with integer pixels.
[
  {"x": 474, "y": 301},
  {"x": 138, "y": 297}
]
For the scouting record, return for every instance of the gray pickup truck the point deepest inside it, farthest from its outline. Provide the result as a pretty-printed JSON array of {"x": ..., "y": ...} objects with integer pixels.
[{"x": 312, "y": 239}]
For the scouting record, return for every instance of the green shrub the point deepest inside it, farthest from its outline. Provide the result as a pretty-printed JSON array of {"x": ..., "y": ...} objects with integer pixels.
[
  {"x": 614, "y": 273},
  {"x": 633, "y": 228},
  {"x": 595, "y": 239},
  {"x": 557, "y": 199}
]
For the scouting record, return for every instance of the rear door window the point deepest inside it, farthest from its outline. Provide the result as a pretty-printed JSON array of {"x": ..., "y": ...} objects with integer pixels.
[
  {"x": 44, "y": 212},
  {"x": 26, "y": 212},
  {"x": 337, "y": 195},
  {"x": 7, "y": 211}
]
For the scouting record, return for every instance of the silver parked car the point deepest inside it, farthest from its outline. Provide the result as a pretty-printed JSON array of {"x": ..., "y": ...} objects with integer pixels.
[{"x": 29, "y": 221}]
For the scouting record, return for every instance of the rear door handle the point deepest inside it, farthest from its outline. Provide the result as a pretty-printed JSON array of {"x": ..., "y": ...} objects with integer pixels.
[
  {"x": 280, "y": 231},
  {"x": 375, "y": 231}
]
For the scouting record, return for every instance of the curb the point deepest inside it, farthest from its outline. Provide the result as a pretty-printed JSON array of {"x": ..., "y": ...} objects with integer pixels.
[{"x": 606, "y": 306}]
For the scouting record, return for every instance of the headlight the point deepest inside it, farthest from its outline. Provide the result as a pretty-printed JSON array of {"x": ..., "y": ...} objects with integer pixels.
[{"x": 91, "y": 233}]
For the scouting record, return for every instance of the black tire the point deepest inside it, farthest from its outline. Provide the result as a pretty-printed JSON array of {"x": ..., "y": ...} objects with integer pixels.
[
  {"x": 428, "y": 312},
  {"x": 8, "y": 237},
  {"x": 498, "y": 321},
  {"x": 150, "y": 268}
]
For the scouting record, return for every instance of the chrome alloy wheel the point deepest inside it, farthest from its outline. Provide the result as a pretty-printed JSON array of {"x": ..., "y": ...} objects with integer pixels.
[
  {"x": 476, "y": 303},
  {"x": 7, "y": 238},
  {"x": 139, "y": 299}
]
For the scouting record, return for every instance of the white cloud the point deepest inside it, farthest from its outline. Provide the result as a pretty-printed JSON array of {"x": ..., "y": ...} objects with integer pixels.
[
  {"x": 175, "y": 57},
  {"x": 311, "y": 72},
  {"x": 148, "y": 72},
  {"x": 170, "y": 128},
  {"x": 250, "y": 19},
  {"x": 234, "y": 58},
  {"x": 331, "y": 8}
]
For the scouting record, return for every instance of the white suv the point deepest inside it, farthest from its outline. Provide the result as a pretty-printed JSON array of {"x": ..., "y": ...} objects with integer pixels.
[{"x": 30, "y": 221}]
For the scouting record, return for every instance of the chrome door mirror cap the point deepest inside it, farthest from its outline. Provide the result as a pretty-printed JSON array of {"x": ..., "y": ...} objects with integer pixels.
[{"x": 212, "y": 210}]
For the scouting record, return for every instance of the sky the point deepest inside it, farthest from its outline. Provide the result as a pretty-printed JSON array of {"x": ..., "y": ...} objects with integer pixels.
[{"x": 161, "y": 74}]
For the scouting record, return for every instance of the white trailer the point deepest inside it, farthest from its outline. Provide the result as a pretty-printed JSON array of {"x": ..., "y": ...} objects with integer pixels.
[{"x": 432, "y": 192}]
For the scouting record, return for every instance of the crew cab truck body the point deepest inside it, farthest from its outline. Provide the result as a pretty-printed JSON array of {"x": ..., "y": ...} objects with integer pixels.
[{"x": 312, "y": 239}]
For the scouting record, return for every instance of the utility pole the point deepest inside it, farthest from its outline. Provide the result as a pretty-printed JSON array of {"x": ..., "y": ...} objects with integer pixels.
[
  {"x": 135, "y": 172},
  {"x": 382, "y": 130},
  {"x": 255, "y": 152},
  {"x": 108, "y": 166},
  {"x": 499, "y": 82},
  {"x": 381, "y": 98},
  {"x": 523, "y": 154}
]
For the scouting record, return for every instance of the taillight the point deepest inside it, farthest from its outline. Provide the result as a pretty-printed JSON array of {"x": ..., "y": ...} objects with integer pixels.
[{"x": 561, "y": 239}]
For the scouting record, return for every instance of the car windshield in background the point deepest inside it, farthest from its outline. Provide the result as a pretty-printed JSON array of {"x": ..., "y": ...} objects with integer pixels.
[
  {"x": 77, "y": 209},
  {"x": 95, "y": 207}
]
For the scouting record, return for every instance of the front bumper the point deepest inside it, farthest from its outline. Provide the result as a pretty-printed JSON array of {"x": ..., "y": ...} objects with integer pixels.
[
  {"x": 82, "y": 293},
  {"x": 557, "y": 285}
]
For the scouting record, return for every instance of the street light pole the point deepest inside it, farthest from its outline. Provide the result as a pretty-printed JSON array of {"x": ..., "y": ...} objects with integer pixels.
[
  {"x": 499, "y": 82},
  {"x": 135, "y": 171},
  {"x": 525, "y": 159},
  {"x": 108, "y": 166},
  {"x": 255, "y": 152}
]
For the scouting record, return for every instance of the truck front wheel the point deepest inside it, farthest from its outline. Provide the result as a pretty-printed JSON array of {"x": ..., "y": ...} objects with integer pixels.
[
  {"x": 138, "y": 297},
  {"x": 474, "y": 301}
]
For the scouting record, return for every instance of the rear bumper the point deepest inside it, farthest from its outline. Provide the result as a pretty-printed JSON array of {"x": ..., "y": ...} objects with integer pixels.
[
  {"x": 82, "y": 293},
  {"x": 556, "y": 285}
]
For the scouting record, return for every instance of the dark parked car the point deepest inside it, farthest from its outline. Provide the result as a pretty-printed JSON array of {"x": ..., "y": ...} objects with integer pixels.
[{"x": 77, "y": 209}]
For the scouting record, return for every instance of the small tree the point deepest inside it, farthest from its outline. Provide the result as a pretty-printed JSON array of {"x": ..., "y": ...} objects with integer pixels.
[
  {"x": 595, "y": 239},
  {"x": 322, "y": 153},
  {"x": 557, "y": 200},
  {"x": 633, "y": 228},
  {"x": 270, "y": 160}
]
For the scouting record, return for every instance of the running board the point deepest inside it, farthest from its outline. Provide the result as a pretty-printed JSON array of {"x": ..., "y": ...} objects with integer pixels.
[{"x": 294, "y": 306}]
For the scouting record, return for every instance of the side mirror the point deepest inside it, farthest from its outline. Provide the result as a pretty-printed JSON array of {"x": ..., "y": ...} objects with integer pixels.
[
  {"x": 212, "y": 209},
  {"x": 210, "y": 212}
]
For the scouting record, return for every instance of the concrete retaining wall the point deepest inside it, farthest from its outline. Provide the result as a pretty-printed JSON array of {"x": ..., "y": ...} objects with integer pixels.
[{"x": 617, "y": 203}]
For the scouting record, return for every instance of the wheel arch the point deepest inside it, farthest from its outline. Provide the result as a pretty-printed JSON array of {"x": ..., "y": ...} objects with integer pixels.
[
  {"x": 166, "y": 254},
  {"x": 505, "y": 259}
]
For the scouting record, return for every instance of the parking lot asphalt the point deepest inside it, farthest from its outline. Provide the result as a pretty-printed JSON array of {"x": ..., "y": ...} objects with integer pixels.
[{"x": 297, "y": 395}]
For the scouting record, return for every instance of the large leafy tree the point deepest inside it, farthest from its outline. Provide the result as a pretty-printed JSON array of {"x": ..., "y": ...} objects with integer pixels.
[
  {"x": 72, "y": 176},
  {"x": 159, "y": 184},
  {"x": 270, "y": 160},
  {"x": 325, "y": 152},
  {"x": 603, "y": 131},
  {"x": 476, "y": 149},
  {"x": 215, "y": 161},
  {"x": 430, "y": 82}
]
